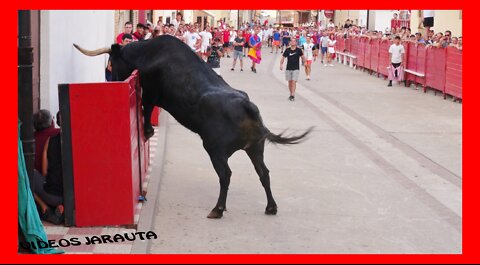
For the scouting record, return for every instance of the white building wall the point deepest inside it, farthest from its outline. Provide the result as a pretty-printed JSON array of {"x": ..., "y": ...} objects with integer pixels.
[
  {"x": 60, "y": 62},
  {"x": 383, "y": 18}
]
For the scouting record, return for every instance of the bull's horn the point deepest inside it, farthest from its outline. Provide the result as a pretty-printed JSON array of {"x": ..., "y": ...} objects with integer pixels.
[{"x": 93, "y": 53}]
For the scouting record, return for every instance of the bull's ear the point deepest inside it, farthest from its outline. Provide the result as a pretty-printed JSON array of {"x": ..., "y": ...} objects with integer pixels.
[{"x": 116, "y": 50}]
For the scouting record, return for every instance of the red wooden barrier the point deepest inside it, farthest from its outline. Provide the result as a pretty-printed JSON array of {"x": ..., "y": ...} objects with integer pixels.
[
  {"x": 348, "y": 44},
  {"x": 421, "y": 63},
  {"x": 435, "y": 68},
  {"x": 375, "y": 53},
  {"x": 384, "y": 57},
  {"x": 105, "y": 154},
  {"x": 361, "y": 52},
  {"x": 411, "y": 60},
  {"x": 354, "y": 46},
  {"x": 368, "y": 54},
  {"x": 340, "y": 44},
  {"x": 453, "y": 78}
]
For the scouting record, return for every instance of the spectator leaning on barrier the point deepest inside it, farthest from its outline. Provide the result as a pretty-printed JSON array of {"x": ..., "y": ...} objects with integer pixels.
[
  {"x": 419, "y": 38},
  {"x": 139, "y": 34},
  {"x": 126, "y": 39},
  {"x": 397, "y": 54},
  {"x": 128, "y": 28}
]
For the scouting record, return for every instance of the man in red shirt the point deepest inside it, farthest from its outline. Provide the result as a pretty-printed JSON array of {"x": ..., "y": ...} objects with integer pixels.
[
  {"x": 127, "y": 30},
  {"x": 140, "y": 33},
  {"x": 247, "y": 35},
  {"x": 226, "y": 43}
]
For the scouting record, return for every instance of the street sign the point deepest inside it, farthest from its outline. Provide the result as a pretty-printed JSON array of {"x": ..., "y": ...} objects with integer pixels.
[{"x": 328, "y": 13}]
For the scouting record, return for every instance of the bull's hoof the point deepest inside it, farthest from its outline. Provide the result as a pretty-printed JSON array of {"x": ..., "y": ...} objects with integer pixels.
[
  {"x": 271, "y": 210},
  {"x": 149, "y": 132},
  {"x": 215, "y": 214}
]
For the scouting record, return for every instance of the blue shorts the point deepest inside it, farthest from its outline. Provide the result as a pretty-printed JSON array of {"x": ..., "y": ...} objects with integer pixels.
[{"x": 324, "y": 50}]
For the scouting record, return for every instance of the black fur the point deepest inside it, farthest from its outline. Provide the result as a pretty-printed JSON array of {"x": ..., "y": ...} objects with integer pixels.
[{"x": 177, "y": 80}]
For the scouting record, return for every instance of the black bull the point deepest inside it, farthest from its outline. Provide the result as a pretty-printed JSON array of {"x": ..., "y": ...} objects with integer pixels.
[{"x": 177, "y": 80}]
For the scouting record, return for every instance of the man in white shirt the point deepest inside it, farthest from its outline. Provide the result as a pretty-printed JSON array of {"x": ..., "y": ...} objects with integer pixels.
[
  {"x": 177, "y": 20},
  {"x": 397, "y": 56},
  {"x": 206, "y": 36},
  {"x": 192, "y": 39},
  {"x": 270, "y": 36}
]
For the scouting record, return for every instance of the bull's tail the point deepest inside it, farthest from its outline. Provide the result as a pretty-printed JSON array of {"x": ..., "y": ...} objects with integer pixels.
[
  {"x": 281, "y": 139},
  {"x": 254, "y": 114}
]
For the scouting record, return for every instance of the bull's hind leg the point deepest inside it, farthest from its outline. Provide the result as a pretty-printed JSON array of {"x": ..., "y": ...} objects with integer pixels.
[
  {"x": 255, "y": 153},
  {"x": 220, "y": 163}
]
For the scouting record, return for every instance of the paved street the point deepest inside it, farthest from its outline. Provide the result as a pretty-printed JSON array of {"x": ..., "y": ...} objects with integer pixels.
[{"x": 381, "y": 172}]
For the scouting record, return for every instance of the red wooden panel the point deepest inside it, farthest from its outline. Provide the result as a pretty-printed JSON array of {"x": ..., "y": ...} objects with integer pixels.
[
  {"x": 368, "y": 54},
  {"x": 384, "y": 57},
  {"x": 109, "y": 153},
  {"x": 101, "y": 153},
  {"x": 348, "y": 44},
  {"x": 354, "y": 46},
  {"x": 421, "y": 63},
  {"x": 411, "y": 59},
  {"x": 375, "y": 54},
  {"x": 361, "y": 52},
  {"x": 453, "y": 78},
  {"x": 435, "y": 68}
]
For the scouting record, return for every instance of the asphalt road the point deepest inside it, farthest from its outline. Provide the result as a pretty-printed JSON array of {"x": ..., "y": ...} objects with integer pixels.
[{"x": 381, "y": 172}]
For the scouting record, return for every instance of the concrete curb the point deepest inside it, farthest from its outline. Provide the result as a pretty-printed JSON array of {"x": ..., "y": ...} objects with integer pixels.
[{"x": 148, "y": 212}]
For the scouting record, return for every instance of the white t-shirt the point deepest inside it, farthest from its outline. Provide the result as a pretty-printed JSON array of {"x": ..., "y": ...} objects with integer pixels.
[
  {"x": 269, "y": 32},
  {"x": 428, "y": 13},
  {"x": 191, "y": 39},
  {"x": 330, "y": 25},
  {"x": 233, "y": 35},
  {"x": 206, "y": 37},
  {"x": 331, "y": 45},
  {"x": 396, "y": 51},
  {"x": 308, "y": 50}
]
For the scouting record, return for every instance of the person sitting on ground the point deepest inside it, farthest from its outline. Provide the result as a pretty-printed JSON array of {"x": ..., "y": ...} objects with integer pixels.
[{"x": 48, "y": 185}]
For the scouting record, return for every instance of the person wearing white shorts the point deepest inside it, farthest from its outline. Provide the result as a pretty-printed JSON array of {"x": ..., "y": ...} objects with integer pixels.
[{"x": 206, "y": 36}]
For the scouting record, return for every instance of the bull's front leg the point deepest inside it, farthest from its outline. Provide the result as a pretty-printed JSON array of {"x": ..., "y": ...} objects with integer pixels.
[{"x": 148, "y": 130}]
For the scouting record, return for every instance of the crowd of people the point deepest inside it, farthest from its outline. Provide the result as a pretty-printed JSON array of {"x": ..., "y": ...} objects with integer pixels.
[{"x": 213, "y": 42}]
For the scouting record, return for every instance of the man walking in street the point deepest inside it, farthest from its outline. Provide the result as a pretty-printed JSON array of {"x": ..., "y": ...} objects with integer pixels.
[
  {"x": 308, "y": 48},
  {"x": 293, "y": 55},
  {"x": 397, "y": 54},
  {"x": 238, "y": 50}
]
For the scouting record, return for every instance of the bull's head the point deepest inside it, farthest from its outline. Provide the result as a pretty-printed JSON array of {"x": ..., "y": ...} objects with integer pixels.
[{"x": 121, "y": 70}]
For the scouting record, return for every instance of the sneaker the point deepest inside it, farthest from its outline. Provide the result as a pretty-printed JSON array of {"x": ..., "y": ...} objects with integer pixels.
[
  {"x": 241, "y": 70},
  {"x": 232, "y": 69},
  {"x": 291, "y": 98},
  {"x": 228, "y": 56},
  {"x": 389, "y": 83},
  {"x": 254, "y": 70},
  {"x": 325, "y": 65},
  {"x": 330, "y": 64}
]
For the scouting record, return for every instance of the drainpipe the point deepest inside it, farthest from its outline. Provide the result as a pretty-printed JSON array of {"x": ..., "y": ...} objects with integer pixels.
[{"x": 25, "y": 88}]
